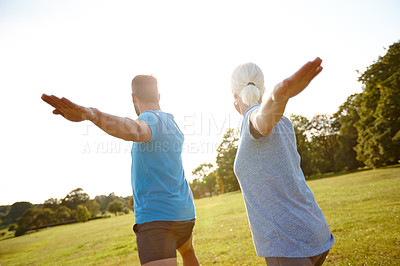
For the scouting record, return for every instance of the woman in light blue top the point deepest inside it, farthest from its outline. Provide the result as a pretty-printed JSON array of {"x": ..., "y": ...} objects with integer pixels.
[{"x": 286, "y": 223}]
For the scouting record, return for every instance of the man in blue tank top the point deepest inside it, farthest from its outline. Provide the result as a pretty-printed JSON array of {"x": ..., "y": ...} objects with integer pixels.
[{"x": 163, "y": 202}]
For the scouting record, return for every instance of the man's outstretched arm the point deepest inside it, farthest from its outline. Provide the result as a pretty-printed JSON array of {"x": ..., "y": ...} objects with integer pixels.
[
  {"x": 120, "y": 127},
  {"x": 273, "y": 106}
]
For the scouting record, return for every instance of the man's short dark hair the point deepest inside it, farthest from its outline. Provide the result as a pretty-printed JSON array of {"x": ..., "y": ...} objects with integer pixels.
[{"x": 145, "y": 88}]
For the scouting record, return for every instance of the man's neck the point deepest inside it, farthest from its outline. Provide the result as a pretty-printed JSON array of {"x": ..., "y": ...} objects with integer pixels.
[{"x": 149, "y": 107}]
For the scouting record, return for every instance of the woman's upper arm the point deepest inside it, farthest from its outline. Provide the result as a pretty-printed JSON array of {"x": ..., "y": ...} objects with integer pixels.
[{"x": 259, "y": 126}]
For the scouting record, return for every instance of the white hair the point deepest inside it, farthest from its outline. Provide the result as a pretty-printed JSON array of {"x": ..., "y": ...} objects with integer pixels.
[{"x": 247, "y": 82}]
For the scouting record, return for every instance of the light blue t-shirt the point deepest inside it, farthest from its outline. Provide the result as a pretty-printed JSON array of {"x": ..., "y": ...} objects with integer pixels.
[
  {"x": 160, "y": 189},
  {"x": 285, "y": 220}
]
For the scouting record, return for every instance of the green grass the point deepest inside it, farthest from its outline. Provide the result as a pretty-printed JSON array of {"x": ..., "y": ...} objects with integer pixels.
[
  {"x": 363, "y": 212},
  {"x": 362, "y": 209},
  {"x": 104, "y": 241}
]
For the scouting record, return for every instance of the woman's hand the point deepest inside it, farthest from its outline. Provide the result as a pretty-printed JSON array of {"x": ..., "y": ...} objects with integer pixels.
[
  {"x": 272, "y": 106},
  {"x": 295, "y": 84}
]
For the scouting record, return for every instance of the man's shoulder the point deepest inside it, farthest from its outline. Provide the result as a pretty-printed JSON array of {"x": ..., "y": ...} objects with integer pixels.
[
  {"x": 160, "y": 115},
  {"x": 150, "y": 117}
]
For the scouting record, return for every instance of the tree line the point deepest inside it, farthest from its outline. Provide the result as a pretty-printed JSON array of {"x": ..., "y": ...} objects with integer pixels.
[
  {"x": 76, "y": 206},
  {"x": 364, "y": 132}
]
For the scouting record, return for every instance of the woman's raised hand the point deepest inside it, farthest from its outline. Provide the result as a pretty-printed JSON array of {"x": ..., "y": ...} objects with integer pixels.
[{"x": 296, "y": 83}]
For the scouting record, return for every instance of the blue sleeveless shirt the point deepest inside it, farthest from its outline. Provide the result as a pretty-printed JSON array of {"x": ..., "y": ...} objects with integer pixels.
[{"x": 160, "y": 189}]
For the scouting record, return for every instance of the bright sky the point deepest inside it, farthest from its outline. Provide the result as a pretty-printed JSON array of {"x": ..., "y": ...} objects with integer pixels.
[{"x": 89, "y": 51}]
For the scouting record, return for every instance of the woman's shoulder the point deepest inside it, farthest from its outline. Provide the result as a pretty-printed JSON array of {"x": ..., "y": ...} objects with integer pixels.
[
  {"x": 286, "y": 120},
  {"x": 284, "y": 125}
]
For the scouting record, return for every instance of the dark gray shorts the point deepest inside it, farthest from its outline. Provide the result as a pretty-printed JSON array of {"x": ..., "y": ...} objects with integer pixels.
[
  {"x": 159, "y": 239},
  {"x": 310, "y": 261}
]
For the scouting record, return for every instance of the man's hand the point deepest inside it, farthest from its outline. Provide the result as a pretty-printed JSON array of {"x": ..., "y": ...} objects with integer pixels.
[
  {"x": 295, "y": 84},
  {"x": 68, "y": 109},
  {"x": 120, "y": 127}
]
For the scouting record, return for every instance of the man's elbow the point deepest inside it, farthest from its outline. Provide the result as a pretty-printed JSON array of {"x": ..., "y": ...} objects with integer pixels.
[
  {"x": 133, "y": 136},
  {"x": 135, "y": 132},
  {"x": 140, "y": 135}
]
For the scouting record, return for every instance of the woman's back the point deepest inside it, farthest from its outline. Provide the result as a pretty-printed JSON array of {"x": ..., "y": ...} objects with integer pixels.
[{"x": 284, "y": 218}]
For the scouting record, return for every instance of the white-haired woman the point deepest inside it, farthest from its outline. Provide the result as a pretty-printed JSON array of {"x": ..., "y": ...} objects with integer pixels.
[{"x": 287, "y": 225}]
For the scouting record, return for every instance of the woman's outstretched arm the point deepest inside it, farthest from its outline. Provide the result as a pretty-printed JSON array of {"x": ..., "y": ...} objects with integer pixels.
[{"x": 272, "y": 106}]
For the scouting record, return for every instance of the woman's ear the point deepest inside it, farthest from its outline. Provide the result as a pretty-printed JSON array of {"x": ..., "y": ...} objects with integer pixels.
[{"x": 235, "y": 96}]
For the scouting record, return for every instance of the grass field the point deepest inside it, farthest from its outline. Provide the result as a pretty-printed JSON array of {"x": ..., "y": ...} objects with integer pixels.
[{"x": 362, "y": 210}]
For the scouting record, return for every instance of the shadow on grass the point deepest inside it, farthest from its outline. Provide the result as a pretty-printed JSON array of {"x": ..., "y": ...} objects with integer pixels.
[{"x": 345, "y": 172}]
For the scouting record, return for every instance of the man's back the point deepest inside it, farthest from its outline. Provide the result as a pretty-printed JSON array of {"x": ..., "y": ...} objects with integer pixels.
[{"x": 160, "y": 189}]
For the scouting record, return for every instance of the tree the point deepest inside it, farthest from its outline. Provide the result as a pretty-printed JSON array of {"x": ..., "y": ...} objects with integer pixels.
[
  {"x": 225, "y": 159},
  {"x": 44, "y": 217},
  {"x": 82, "y": 213},
  {"x": 52, "y": 203},
  {"x": 104, "y": 200},
  {"x": 21, "y": 230},
  {"x": 210, "y": 183},
  {"x": 379, "y": 111},
  {"x": 207, "y": 178},
  {"x": 198, "y": 190},
  {"x": 4, "y": 210},
  {"x": 16, "y": 210},
  {"x": 344, "y": 121},
  {"x": 75, "y": 198},
  {"x": 12, "y": 227},
  {"x": 130, "y": 203},
  {"x": 323, "y": 143},
  {"x": 302, "y": 127},
  {"x": 115, "y": 207},
  {"x": 93, "y": 207},
  {"x": 63, "y": 214},
  {"x": 28, "y": 220},
  {"x": 35, "y": 218}
]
